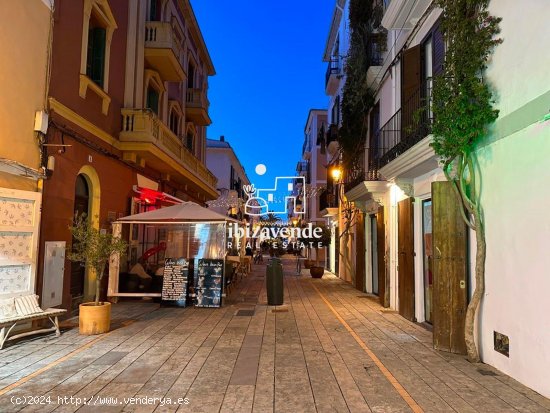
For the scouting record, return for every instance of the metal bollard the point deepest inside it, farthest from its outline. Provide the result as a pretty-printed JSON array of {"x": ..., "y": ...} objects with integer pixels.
[{"x": 274, "y": 282}]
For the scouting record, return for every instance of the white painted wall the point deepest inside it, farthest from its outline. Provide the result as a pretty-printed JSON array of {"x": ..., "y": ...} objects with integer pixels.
[
  {"x": 515, "y": 199},
  {"x": 219, "y": 164},
  {"x": 516, "y": 303}
]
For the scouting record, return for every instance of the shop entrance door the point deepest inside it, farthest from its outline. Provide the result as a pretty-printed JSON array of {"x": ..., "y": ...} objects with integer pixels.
[
  {"x": 450, "y": 295},
  {"x": 78, "y": 269},
  {"x": 383, "y": 287},
  {"x": 374, "y": 254},
  {"x": 427, "y": 258},
  {"x": 406, "y": 258},
  {"x": 360, "y": 270}
]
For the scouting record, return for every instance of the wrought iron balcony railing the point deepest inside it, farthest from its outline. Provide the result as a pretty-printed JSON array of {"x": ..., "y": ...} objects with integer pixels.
[
  {"x": 359, "y": 173},
  {"x": 407, "y": 127},
  {"x": 327, "y": 200},
  {"x": 332, "y": 133},
  {"x": 333, "y": 68}
]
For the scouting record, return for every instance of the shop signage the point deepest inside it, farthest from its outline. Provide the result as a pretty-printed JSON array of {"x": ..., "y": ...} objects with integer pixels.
[
  {"x": 174, "y": 283},
  {"x": 209, "y": 283}
]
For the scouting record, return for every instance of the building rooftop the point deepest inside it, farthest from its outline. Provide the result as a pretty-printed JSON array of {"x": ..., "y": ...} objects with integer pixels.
[{"x": 215, "y": 143}]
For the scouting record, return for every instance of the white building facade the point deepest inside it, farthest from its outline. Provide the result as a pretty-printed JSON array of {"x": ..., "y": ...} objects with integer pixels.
[
  {"x": 405, "y": 199},
  {"x": 223, "y": 162}
]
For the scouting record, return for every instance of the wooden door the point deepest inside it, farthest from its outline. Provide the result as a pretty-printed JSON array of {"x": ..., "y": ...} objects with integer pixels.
[
  {"x": 450, "y": 295},
  {"x": 360, "y": 265},
  {"x": 406, "y": 258},
  {"x": 411, "y": 79},
  {"x": 383, "y": 289}
]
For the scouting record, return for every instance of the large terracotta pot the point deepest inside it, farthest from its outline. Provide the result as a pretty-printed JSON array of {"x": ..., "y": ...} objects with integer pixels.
[
  {"x": 317, "y": 272},
  {"x": 94, "y": 319}
]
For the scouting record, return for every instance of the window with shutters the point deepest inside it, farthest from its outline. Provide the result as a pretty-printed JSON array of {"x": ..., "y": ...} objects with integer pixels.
[
  {"x": 175, "y": 116},
  {"x": 191, "y": 75},
  {"x": 154, "y": 10},
  {"x": 154, "y": 91},
  {"x": 189, "y": 141},
  {"x": 98, "y": 27},
  {"x": 95, "y": 62},
  {"x": 153, "y": 96}
]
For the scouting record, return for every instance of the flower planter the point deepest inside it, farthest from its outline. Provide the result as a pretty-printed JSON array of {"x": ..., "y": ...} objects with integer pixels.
[
  {"x": 94, "y": 319},
  {"x": 317, "y": 272}
]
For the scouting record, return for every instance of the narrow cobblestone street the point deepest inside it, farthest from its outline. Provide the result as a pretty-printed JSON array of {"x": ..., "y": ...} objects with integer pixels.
[{"x": 329, "y": 348}]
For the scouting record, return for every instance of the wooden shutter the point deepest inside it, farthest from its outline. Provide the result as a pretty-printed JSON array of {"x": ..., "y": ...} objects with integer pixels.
[
  {"x": 411, "y": 73},
  {"x": 383, "y": 291},
  {"x": 450, "y": 294},
  {"x": 406, "y": 258},
  {"x": 411, "y": 79},
  {"x": 438, "y": 48}
]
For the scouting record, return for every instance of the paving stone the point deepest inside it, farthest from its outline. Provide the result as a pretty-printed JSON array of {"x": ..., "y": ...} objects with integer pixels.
[{"x": 298, "y": 358}]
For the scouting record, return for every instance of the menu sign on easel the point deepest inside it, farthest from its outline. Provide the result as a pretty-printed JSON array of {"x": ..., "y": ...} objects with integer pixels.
[
  {"x": 174, "y": 282},
  {"x": 209, "y": 283}
]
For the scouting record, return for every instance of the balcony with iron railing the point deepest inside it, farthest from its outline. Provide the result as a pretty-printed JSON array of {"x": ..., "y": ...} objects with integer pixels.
[
  {"x": 164, "y": 50},
  {"x": 302, "y": 166},
  {"x": 327, "y": 200},
  {"x": 363, "y": 170},
  {"x": 306, "y": 149},
  {"x": 196, "y": 107},
  {"x": 146, "y": 137},
  {"x": 333, "y": 74},
  {"x": 408, "y": 126}
]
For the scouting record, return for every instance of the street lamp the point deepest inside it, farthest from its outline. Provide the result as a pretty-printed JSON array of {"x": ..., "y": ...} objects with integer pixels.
[{"x": 336, "y": 173}]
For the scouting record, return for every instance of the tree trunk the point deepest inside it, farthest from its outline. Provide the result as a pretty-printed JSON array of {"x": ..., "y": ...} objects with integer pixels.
[
  {"x": 99, "y": 278},
  {"x": 471, "y": 312}
]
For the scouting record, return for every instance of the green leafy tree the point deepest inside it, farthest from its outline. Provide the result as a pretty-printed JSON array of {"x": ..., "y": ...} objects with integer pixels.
[
  {"x": 463, "y": 110},
  {"x": 270, "y": 219},
  {"x": 94, "y": 248}
]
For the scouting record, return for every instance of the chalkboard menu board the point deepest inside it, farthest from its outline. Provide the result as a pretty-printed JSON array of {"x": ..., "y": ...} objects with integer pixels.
[
  {"x": 209, "y": 283},
  {"x": 174, "y": 282}
]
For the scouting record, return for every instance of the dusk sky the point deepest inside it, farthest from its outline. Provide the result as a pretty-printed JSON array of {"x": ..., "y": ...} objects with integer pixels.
[{"x": 269, "y": 73}]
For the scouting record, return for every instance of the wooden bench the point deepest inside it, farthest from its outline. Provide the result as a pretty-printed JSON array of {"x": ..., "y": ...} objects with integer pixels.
[{"x": 7, "y": 324}]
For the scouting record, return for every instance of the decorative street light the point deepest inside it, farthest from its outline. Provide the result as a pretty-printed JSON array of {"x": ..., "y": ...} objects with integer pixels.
[{"x": 336, "y": 173}]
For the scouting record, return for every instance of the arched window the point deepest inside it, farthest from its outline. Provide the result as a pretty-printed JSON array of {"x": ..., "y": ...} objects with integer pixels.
[
  {"x": 174, "y": 122},
  {"x": 175, "y": 115},
  {"x": 153, "y": 91}
]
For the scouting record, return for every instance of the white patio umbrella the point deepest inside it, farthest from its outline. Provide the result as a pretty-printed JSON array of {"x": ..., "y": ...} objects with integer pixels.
[{"x": 186, "y": 212}]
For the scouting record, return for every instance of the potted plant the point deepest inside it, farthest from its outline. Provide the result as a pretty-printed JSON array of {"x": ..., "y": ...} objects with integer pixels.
[
  {"x": 315, "y": 269},
  {"x": 94, "y": 248}
]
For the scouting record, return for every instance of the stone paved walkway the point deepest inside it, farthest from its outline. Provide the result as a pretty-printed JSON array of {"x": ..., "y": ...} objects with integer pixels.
[{"x": 328, "y": 349}]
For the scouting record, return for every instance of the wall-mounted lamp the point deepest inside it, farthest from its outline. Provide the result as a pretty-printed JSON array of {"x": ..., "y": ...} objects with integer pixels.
[{"x": 336, "y": 173}]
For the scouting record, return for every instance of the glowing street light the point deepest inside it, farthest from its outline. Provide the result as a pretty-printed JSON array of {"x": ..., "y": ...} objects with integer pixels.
[{"x": 336, "y": 173}]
